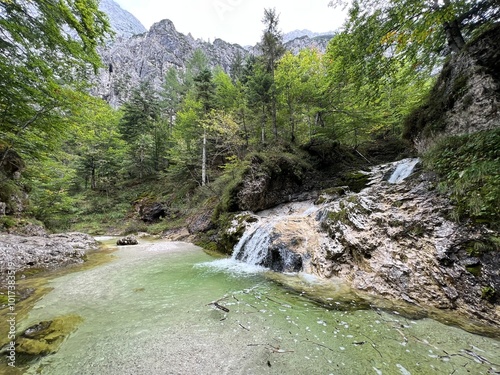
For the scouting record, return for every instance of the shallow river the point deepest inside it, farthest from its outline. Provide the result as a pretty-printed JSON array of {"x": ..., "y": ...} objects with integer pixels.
[{"x": 151, "y": 311}]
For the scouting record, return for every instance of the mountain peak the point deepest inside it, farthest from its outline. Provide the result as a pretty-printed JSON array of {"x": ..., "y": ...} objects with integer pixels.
[
  {"x": 122, "y": 22},
  {"x": 163, "y": 24},
  {"x": 302, "y": 33}
]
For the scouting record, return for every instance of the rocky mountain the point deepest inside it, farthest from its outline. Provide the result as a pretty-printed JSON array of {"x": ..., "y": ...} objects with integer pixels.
[
  {"x": 122, "y": 22},
  {"x": 288, "y": 37},
  {"x": 318, "y": 42},
  {"x": 148, "y": 56},
  {"x": 137, "y": 55}
]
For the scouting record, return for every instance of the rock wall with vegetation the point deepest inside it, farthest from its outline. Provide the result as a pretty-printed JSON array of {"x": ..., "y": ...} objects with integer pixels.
[{"x": 466, "y": 96}]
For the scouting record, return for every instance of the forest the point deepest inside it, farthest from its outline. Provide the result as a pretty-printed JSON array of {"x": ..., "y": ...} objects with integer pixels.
[{"x": 72, "y": 162}]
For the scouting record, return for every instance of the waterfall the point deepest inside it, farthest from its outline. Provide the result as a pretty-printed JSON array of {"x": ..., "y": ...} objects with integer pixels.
[
  {"x": 253, "y": 247},
  {"x": 403, "y": 170},
  {"x": 267, "y": 246},
  {"x": 280, "y": 239}
]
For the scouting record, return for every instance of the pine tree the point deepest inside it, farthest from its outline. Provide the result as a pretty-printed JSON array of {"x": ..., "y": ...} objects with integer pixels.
[{"x": 272, "y": 49}]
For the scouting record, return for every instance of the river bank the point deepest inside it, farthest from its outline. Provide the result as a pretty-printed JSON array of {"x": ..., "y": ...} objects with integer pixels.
[
  {"x": 394, "y": 239},
  {"x": 29, "y": 254}
]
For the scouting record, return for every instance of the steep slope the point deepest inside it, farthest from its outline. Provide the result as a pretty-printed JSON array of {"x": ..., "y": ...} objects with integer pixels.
[
  {"x": 148, "y": 56},
  {"x": 122, "y": 22},
  {"x": 466, "y": 96}
]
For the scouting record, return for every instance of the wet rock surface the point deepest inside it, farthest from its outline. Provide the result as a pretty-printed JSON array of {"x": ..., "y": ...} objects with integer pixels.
[
  {"x": 22, "y": 253},
  {"x": 391, "y": 239},
  {"x": 127, "y": 241},
  {"x": 45, "y": 337}
]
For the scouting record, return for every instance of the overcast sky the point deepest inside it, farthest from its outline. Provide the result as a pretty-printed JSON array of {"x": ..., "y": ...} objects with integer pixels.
[{"x": 235, "y": 21}]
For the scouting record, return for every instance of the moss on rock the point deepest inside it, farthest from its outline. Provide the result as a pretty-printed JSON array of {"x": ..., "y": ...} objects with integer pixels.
[
  {"x": 356, "y": 181},
  {"x": 46, "y": 337}
]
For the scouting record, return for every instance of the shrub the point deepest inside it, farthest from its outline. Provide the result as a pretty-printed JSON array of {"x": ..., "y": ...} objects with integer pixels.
[{"x": 469, "y": 171}]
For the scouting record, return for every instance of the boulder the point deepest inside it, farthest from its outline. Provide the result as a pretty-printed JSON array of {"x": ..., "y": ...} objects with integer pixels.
[
  {"x": 153, "y": 212},
  {"x": 126, "y": 241}
]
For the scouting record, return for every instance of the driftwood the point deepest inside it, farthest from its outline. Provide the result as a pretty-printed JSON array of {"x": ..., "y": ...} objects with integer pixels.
[{"x": 218, "y": 306}]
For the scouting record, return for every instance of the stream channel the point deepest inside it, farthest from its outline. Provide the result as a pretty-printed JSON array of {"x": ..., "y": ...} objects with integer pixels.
[{"x": 168, "y": 308}]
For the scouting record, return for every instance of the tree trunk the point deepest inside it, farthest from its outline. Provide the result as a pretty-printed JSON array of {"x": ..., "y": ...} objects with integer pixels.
[
  {"x": 243, "y": 119},
  {"x": 93, "y": 184},
  {"x": 454, "y": 36},
  {"x": 263, "y": 125},
  {"x": 204, "y": 159},
  {"x": 292, "y": 121},
  {"x": 275, "y": 120}
]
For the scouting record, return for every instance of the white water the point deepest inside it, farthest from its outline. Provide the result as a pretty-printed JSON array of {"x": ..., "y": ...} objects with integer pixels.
[
  {"x": 253, "y": 245},
  {"x": 403, "y": 170},
  {"x": 278, "y": 225}
]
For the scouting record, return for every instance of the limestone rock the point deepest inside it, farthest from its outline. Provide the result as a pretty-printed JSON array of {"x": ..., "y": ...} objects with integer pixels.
[
  {"x": 126, "y": 241},
  {"x": 466, "y": 96},
  {"x": 392, "y": 240},
  {"x": 264, "y": 188},
  {"x": 122, "y": 22},
  {"x": 151, "y": 212},
  {"x": 22, "y": 253}
]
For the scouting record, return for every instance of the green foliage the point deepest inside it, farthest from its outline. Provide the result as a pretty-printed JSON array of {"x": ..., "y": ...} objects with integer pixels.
[
  {"x": 226, "y": 93},
  {"x": 7, "y": 222},
  {"x": 271, "y": 44},
  {"x": 479, "y": 248},
  {"x": 363, "y": 103},
  {"x": 51, "y": 181},
  {"x": 95, "y": 140},
  {"x": 469, "y": 167},
  {"x": 227, "y": 185},
  {"x": 40, "y": 68},
  {"x": 415, "y": 31},
  {"x": 145, "y": 131},
  {"x": 299, "y": 82},
  {"x": 173, "y": 92}
]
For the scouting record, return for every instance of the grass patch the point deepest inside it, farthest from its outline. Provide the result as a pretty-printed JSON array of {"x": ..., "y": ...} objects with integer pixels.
[{"x": 469, "y": 171}]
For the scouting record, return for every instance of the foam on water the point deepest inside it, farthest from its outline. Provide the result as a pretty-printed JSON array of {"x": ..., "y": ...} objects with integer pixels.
[{"x": 232, "y": 266}]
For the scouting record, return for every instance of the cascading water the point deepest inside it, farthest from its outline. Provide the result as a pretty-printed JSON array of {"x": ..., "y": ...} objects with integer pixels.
[
  {"x": 252, "y": 247},
  {"x": 273, "y": 241},
  {"x": 403, "y": 170}
]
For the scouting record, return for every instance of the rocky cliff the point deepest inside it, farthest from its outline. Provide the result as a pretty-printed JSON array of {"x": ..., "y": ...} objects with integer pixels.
[
  {"x": 466, "y": 96},
  {"x": 148, "y": 56}
]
